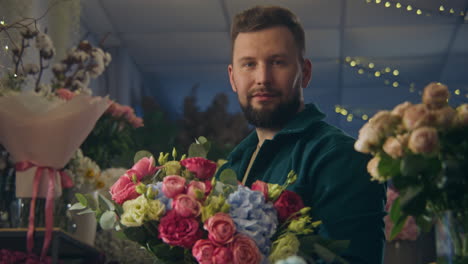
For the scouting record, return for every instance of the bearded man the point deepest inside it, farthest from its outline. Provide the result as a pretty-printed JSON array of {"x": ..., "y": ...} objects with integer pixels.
[{"x": 269, "y": 72}]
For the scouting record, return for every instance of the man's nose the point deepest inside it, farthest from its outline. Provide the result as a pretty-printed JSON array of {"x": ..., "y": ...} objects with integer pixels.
[{"x": 263, "y": 74}]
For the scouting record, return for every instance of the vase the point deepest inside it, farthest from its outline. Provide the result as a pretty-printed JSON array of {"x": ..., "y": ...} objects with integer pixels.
[
  {"x": 452, "y": 238},
  {"x": 84, "y": 227}
]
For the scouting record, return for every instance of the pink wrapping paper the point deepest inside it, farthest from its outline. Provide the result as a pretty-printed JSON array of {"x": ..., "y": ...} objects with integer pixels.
[{"x": 46, "y": 133}]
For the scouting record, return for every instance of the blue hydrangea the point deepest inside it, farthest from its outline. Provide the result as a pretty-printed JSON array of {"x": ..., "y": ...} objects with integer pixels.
[
  {"x": 253, "y": 216},
  {"x": 161, "y": 197},
  {"x": 292, "y": 260}
]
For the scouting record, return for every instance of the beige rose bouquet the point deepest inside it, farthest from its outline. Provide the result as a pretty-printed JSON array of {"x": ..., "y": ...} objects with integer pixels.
[{"x": 423, "y": 150}]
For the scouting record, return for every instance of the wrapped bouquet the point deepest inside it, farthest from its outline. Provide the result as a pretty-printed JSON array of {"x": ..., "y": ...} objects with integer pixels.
[{"x": 180, "y": 213}]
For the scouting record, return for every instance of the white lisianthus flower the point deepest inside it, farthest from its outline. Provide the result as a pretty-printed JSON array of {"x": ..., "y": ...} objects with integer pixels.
[
  {"x": 134, "y": 211},
  {"x": 156, "y": 209},
  {"x": 45, "y": 45}
]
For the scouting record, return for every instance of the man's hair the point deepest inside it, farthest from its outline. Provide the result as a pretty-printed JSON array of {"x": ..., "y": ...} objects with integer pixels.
[{"x": 263, "y": 17}]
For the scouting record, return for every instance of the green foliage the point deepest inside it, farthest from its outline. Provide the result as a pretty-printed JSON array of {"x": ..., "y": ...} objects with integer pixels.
[
  {"x": 141, "y": 154},
  {"x": 314, "y": 246}
]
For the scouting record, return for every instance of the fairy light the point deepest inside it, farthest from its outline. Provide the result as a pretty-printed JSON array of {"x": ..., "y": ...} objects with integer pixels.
[
  {"x": 395, "y": 84},
  {"x": 2, "y": 22},
  {"x": 349, "y": 118},
  {"x": 361, "y": 71},
  {"x": 371, "y": 65},
  {"x": 419, "y": 12},
  {"x": 388, "y": 69},
  {"x": 344, "y": 111},
  {"x": 388, "y": 4},
  {"x": 409, "y": 8},
  {"x": 386, "y": 82},
  {"x": 378, "y": 1},
  {"x": 396, "y": 72},
  {"x": 352, "y": 63},
  {"x": 441, "y": 8},
  {"x": 377, "y": 74},
  {"x": 365, "y": 117},
  {"x": 6, "y": 47},
  {"x": 398, "y": 5},
  {"x": 348, "y": 59},
  {"x": 457, "y": 92}
]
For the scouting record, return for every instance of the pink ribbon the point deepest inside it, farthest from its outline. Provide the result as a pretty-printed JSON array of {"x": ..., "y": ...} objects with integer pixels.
[{"x": 49, "y": 208}]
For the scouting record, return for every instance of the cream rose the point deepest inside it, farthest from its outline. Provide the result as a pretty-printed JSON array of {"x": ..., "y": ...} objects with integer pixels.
[
  {"x": 436, "y": 95},
  {"x": 417, "y": 116},
  {"x": 444, "y": 117},
  {"x": 400, "y": 109},
  {"x": 424, "y": 140},
  {"x": 461, "y": 118},
  {"x": 373, "y": 169},
  {"x": 393, "y": 147}
]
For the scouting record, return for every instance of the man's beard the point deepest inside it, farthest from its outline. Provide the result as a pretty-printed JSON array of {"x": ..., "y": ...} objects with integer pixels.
[{"x": 275, "y": 118}]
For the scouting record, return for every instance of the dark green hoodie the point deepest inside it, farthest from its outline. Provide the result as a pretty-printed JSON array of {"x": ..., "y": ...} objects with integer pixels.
[{"x": 332, "y": 179}]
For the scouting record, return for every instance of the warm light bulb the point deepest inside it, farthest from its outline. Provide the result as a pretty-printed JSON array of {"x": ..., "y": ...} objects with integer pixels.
[
  {"x": 6, "y": 47},
  {"x": 2, "y": 22},
  {"x": 371, "y": 65},
  {"x": 441, "y": 8},
  {"x": 388, "y": 4},
  {"x": 344, "y": 112},
  {"x": 352, "y": 63},
  {"x": 378, "y": 1},
  {"x": 365, "y": 117},
  {"x": 419, "y": 12},
  {"x": 398, "y": 5},
  {"x": 457, "y": 91},
  {"x": 348, "y": 59},
  {"x": 361, "y": 71},
  {"x": 377, "y": 74},
  {"x": 14, "y": 75},
  {"x": 349, "y": 118},
  {"x": 452, "y": 11},
  {"x": 396, "y": 72},
  {"x": 387, "y": 69},
  {"x": 395, "y": 84},
  {"x": 409, "y": 8},
  {"x": 337, "y": 109},
  {"x": 368, "y": 1},
  {"x": 411, "y": 89}
]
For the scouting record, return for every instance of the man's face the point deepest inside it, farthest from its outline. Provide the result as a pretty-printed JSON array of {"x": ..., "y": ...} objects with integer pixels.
[{"x": 268, "y": 77}]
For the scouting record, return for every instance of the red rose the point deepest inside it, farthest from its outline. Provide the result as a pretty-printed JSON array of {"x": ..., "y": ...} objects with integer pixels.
[
  {"x": 244, "y": 250},
  {"x": 123, "y": 189},
  {"x": 222, "y": 255},
  {"x": 186, "y": 206},
  {"x": 202, "y": 168},
  {"x": 65, "y": 94},
  {"x": 203, "y": 251},
  {"x": 221, "y": 228},
  {"x": 262, "y": 187},
  {"x": 288, "y": 203},
  {"x": 179, "y": 231}
]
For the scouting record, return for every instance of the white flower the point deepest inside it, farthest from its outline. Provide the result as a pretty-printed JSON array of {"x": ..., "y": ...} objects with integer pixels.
[
  {"x": 45, "y": 45},
  {"x": 98, "y": 65},
  {"x": 110, "y": 176},
  {"x": 59, "y": 68},
  {"x": 80, "y": 56},
  {"x": 107, "y": 58}
]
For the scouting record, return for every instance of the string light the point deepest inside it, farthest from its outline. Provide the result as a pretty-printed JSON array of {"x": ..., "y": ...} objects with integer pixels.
[
  {"x": 6, "y": 47},
  {"x": 371, "y": 65},
  {"x": 352, "y": 63},
  {"x": 395, "y": 84},
  {"x": 396, "y": 72},
  {"x": 442, "y": 10},
  {"x": 2, "y": 22},
  {"x": 377, "y": 74},
  {"x": 361, "y": 71},
  {"x": 457, "y": 92}
]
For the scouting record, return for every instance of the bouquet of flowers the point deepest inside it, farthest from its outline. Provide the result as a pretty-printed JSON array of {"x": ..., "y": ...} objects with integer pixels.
[
  {"x": 181, "y": 214},
  {"x": 423, "y": 150}
]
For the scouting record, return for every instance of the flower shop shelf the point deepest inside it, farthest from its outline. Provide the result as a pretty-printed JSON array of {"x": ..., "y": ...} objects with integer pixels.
[{"x": 63, "y": 246}]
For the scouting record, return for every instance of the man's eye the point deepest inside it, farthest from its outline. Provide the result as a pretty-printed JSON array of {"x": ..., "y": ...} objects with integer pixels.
[
  {"x": 278, "y": 62},
  {"x": 249, "y": 64}
]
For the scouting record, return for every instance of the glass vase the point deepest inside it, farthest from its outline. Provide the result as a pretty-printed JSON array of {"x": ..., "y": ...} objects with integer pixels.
[{"x": 452, "y": 238}]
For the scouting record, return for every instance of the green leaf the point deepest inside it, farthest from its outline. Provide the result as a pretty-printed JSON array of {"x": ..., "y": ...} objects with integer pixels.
[
  {"x": 228, "y": 177},
  {"x": 324, "y": 253},
  {"x": 425, "y": 223},
  {"x": 201, "y": 140},
  {"x": 197, "y": 150},
  {"x": 137, "y": 234},
  {"x": 399, "y": 224},
  {"x": 82, "y": 199},
  {"x": 141, "y": 154},
  {"x": 87, "y": 211},
  {"x": 395, "y": 210},
  {"x": 107, "y": 220},
  {"x": 77, "y": 206},
  {"x": 165, "y": 252},
  {"x": 389, "y": 167},
  {"x": 338, "y": 246},
  {"x": 109, "y": 203}
]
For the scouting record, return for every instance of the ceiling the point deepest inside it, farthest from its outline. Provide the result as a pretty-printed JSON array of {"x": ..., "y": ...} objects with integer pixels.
[{"x": 176, "y": 39}]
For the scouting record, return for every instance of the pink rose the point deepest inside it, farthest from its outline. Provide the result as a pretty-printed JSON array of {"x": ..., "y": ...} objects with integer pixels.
[
  {"x": 65, "y": 94},
  {"x": 417, "y": 116},
  {"x": 262, "y": 187},
  {"x": 203, "y": 251},
  {"x": 144, "y": 167},
  {"x": 115, "y": 110},
  {"x": 123, "y": 189},
  {"x": 202, "y": 168},
  {"x": 424, "y": 140},
  {"x": 186, "y": 206},
  {"x": 221, "y": 228},
  {"x": 179, "y": 231},
  {"x": 244, "y": 250},
  {"x": 410, "y": 230},
  {"x": 195, "y": 187},
  {"x": 136, "y": 122},
  {"x": 436, "y": 95},
  {"x": 222, "y": 255},
  {"x": 173, "y": 185},
  {"x": 287, "y": 204}
]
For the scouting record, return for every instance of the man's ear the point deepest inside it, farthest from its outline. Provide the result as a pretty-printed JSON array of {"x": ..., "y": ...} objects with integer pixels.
[
  {"x": 306, "y": 72},
  {"x": 231, "y": 78}
]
